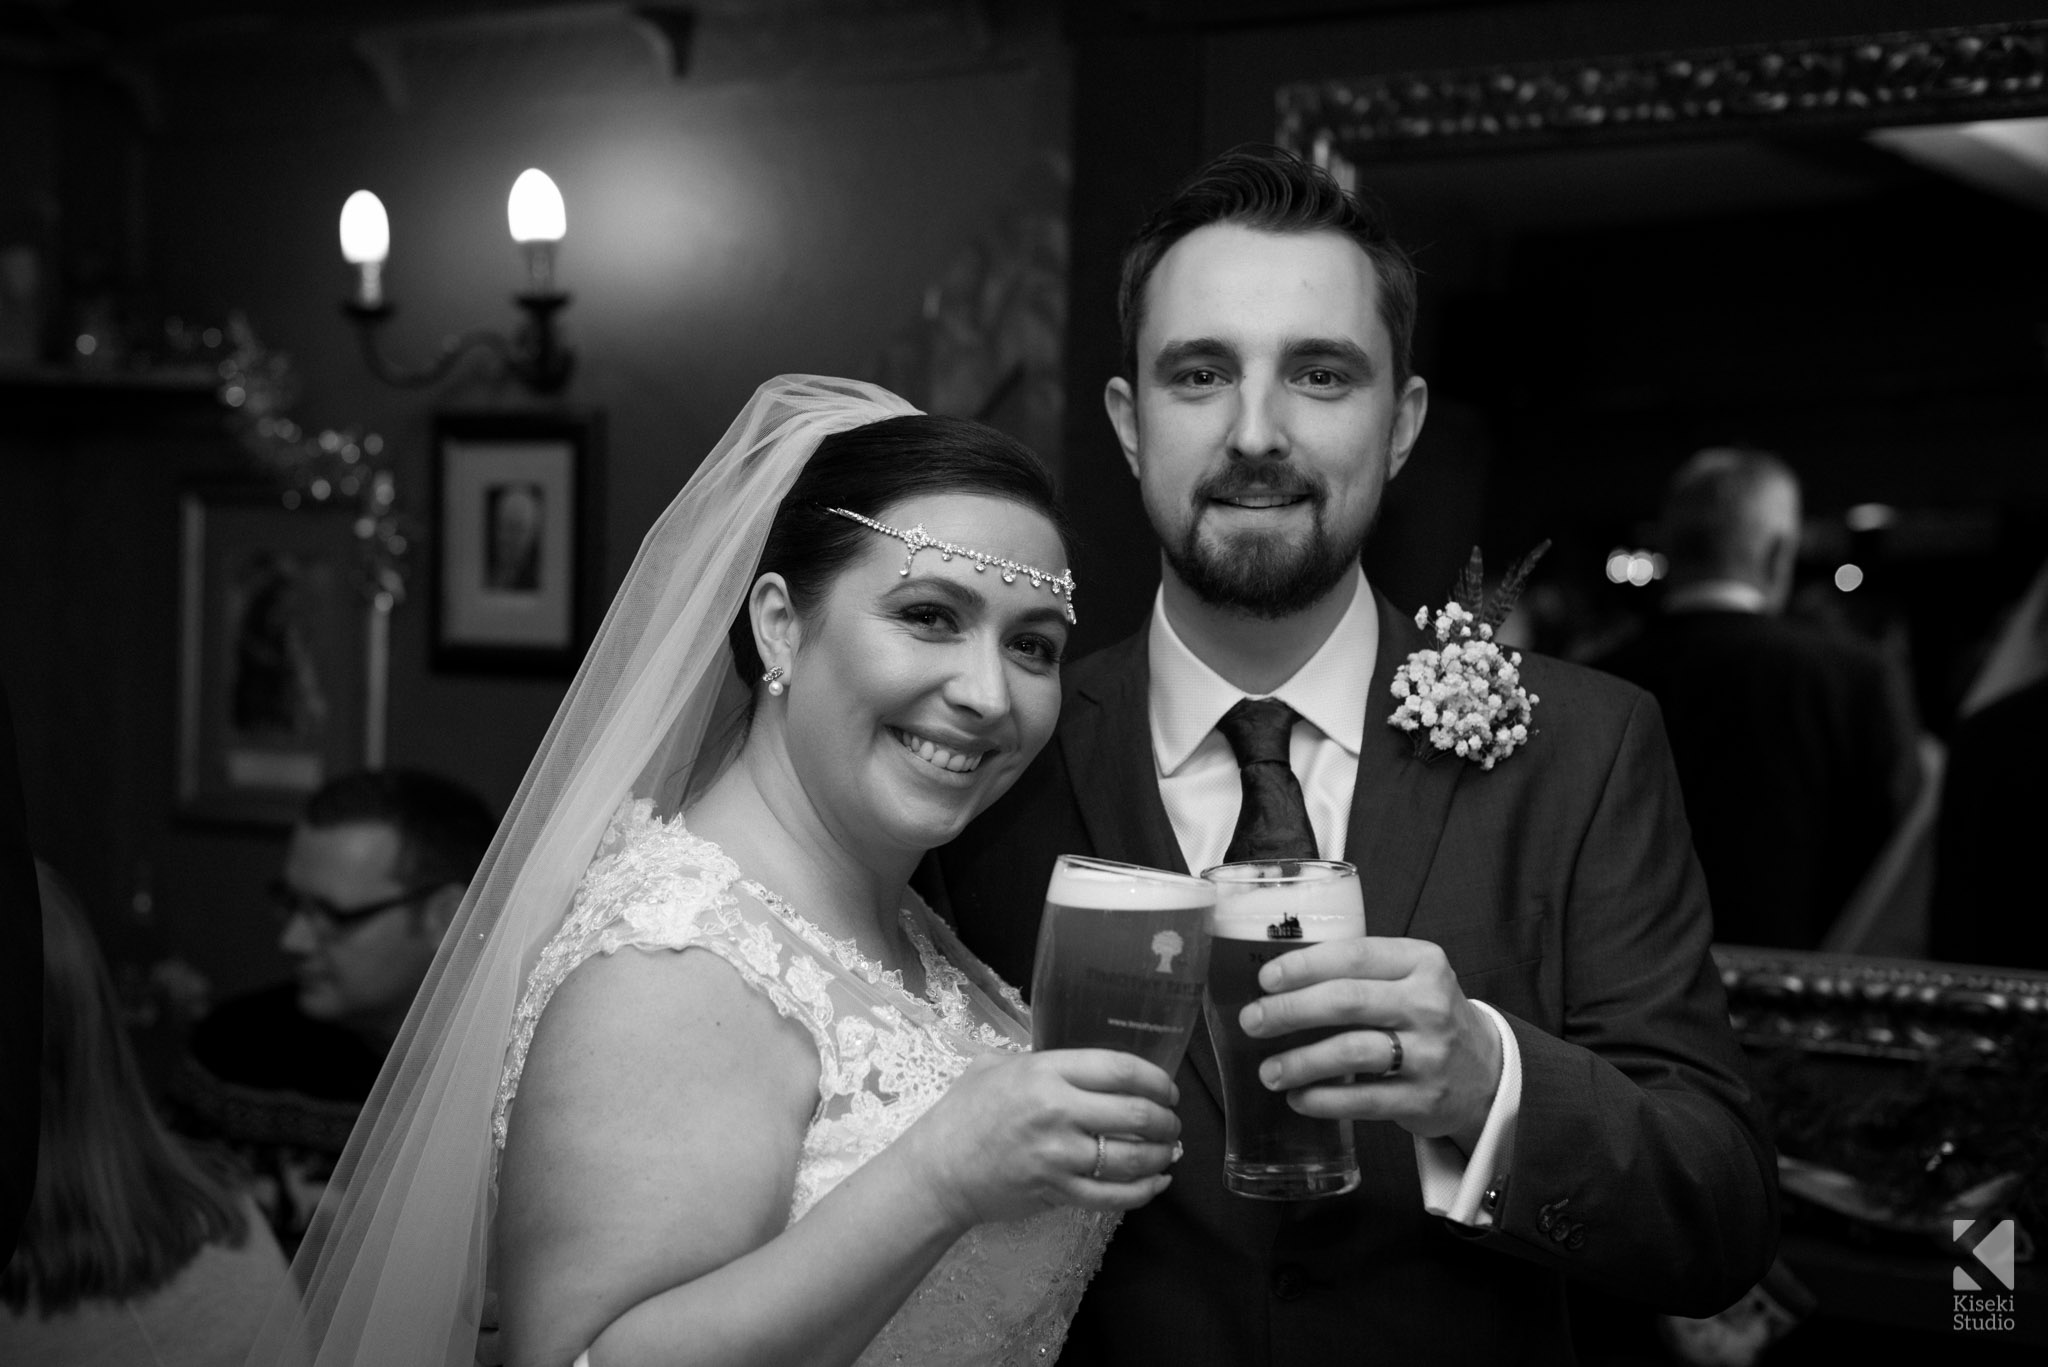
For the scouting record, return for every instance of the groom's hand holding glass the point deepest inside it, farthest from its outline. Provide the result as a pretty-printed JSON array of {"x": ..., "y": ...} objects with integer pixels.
[{"x": 1422, "y": 1055}]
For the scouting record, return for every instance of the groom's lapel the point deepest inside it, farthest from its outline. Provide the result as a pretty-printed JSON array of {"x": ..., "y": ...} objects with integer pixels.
[
  {"x": 1400, "y": 803},
  {"x": 1106, "y": 738}
]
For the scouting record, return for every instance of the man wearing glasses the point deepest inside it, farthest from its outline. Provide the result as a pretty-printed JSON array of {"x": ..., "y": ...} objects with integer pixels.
[{"x": 373, "y": 875}]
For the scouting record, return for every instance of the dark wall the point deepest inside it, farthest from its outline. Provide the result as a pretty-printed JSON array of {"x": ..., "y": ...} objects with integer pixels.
[{"x": 89, "y": 613}]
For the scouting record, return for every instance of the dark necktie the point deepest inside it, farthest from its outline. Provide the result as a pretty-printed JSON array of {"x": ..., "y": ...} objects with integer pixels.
[{"x": 1273, "y": 822}]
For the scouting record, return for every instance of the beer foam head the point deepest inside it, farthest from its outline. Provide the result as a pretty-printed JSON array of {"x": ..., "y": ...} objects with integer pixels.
[
  {"x": 1111, "y": 887},
  {"x": 1321, "y": 909}
]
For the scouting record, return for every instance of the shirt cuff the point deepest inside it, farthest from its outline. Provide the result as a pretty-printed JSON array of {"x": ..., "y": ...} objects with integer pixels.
[{"x": 1466, "y": 1189}]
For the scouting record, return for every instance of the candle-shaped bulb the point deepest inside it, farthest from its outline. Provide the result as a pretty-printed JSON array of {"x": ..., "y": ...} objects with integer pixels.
[
  {"x": 365, "y": 242},
  {"x": 365, "y": 230},
  {"x": 535, "y": 210}
]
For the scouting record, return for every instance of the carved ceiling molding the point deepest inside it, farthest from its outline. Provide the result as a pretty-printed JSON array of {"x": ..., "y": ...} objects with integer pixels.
[{"x": 1922, "y": 77}]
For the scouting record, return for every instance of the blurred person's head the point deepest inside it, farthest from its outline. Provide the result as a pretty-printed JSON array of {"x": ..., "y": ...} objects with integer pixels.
[
  {"x": 1732, "y": 514},
  {"x": 373, "y": 876},
  {"x": 517, "y": 514},
  {"x": 119, "y": 1206}
]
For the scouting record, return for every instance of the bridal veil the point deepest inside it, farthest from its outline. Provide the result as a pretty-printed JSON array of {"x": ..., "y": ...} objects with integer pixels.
[{"x": 394, "y": 1272}]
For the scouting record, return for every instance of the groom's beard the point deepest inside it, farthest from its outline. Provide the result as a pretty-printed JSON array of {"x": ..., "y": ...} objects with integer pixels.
[{"x": 1265, "y": 574}]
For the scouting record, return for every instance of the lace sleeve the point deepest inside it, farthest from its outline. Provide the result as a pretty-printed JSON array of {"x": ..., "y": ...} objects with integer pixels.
[
  {"x": 985, "y": 979},
  {"x": 641, "y": 890}
]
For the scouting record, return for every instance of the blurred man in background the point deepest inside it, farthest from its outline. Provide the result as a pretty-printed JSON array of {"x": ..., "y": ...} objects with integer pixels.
[
  {"x": 374, "y": 873},
  {"x": 1793, "y": 756}
]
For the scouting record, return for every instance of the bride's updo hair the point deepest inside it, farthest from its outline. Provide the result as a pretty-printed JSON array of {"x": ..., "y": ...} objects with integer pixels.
[{"x": 870, "y": 469}]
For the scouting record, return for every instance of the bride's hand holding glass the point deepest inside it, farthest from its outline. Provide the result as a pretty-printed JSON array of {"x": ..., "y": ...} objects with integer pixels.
[{"x": 1016, "y": 1135}]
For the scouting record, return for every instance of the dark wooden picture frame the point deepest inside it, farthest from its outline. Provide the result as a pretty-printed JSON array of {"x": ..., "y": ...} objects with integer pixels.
[
  {"x": 281, "y": 656},
  {"x": 517, "y": 540}
]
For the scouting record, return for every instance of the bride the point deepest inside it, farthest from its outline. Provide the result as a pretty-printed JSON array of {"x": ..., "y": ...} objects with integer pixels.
[{"x": 820, "y": 1138}]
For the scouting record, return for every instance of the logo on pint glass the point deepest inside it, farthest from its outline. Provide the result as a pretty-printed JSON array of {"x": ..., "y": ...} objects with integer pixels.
[
  {"x": 1287, "y": 928},
  {"x": 1983, "y": 1248},
  {"x": 1168, "y": 946}
]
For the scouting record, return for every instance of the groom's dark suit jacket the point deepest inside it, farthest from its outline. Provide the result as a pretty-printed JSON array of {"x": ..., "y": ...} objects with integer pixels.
[{"x": 1563, "y": 888}]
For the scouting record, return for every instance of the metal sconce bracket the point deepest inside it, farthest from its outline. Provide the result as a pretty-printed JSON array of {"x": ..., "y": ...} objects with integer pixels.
[{"x": 535, "y": 356}]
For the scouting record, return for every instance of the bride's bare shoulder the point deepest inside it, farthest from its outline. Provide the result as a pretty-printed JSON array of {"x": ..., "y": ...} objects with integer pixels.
[
  {"x": 660, "y": 980},
  {"x": 657, "y": 1136},
  {"x": 677, "y": 1017}
]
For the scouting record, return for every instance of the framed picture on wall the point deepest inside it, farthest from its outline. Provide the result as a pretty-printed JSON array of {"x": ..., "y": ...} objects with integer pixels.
[
  {"x": 281, "y": 654},
  {"x": 517, "y": 545}
]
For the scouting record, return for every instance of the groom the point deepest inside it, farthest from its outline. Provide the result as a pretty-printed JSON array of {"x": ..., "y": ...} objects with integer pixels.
[{"x": 1546, "y": 1083}]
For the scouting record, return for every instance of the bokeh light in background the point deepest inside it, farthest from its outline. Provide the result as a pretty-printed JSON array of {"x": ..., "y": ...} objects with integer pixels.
[{"x": 1636, "y": 567}]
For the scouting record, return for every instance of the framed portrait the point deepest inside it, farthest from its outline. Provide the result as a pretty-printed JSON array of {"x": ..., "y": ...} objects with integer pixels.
[
  {"x": 516, "y": 540},
  {"x": 281, "y": 654}
]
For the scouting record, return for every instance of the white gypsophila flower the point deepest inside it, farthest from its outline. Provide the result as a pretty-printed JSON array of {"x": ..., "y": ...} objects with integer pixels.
[{"x": 1463, "y": 697}]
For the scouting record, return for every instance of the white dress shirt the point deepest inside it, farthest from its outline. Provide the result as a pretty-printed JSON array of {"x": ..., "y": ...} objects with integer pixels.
[{"x": 1201, "y": 789}]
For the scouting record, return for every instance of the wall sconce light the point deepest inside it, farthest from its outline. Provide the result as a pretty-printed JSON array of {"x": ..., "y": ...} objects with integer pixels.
[{"x": 534, "y": 355}]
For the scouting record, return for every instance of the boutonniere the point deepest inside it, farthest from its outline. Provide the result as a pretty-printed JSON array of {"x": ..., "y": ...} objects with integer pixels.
[{"x": 1465, "y": 696}]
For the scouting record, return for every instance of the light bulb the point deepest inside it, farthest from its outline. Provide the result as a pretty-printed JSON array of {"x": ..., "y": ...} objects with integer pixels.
[
  {"x": 365, "y": 230},
  {"x": 535, "y": 210}
]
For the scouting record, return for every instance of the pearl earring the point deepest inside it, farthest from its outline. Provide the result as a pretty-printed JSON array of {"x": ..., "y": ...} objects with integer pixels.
[{"x": 773, "y": 678}]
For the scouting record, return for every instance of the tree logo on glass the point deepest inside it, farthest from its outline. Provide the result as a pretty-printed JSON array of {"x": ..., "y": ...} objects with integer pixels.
[{"x": 1168, "y": 946}]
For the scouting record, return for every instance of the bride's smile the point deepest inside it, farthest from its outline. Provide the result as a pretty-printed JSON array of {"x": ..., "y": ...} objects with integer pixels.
[{"x": 963, "y": 758}]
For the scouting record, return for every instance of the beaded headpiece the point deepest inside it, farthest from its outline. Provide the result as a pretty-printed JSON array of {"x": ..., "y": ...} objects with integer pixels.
[{"x": 918, "y": 540}]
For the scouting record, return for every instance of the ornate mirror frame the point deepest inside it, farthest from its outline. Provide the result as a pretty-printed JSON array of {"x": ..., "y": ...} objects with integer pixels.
[{"x": 1930, "y": 76}]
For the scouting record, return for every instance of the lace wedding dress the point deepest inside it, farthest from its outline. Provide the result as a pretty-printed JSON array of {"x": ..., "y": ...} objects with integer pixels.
[{"x": 1003, "y": 1293}]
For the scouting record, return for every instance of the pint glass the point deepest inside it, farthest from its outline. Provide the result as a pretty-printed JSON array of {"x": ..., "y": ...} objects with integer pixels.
[
  {"x": 1122, "y": 953},
  {"x": 1264, "y": 910}
]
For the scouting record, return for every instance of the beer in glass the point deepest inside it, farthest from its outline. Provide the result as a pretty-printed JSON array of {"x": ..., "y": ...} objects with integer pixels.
[
  {"x": 1263, "y": 910},
  {"x": 1122, "y": 953}
]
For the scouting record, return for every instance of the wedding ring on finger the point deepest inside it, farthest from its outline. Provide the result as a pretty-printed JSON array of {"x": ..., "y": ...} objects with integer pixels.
[
  {"x": 1393, "y": 1068},
  {"x": 1101, "y": 1157}
]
